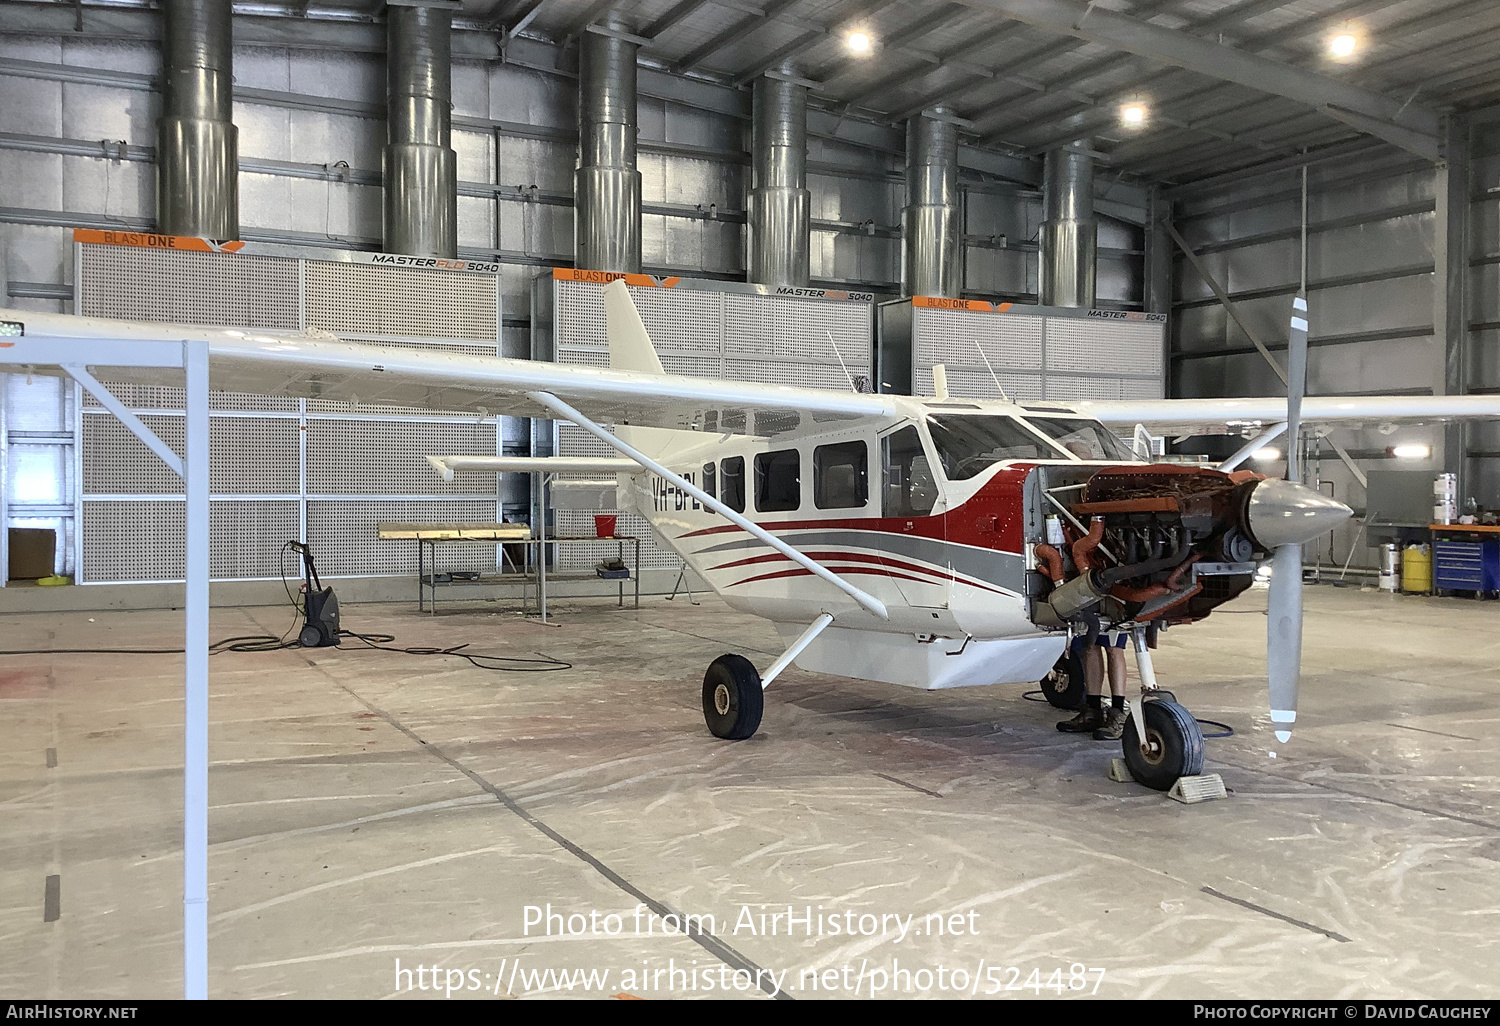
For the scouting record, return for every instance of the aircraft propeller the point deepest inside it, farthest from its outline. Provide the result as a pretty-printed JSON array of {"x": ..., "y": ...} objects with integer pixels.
[{"x": 1284, "y": 604}]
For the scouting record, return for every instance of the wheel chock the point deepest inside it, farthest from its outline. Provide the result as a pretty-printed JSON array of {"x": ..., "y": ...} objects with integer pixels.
[
  {"x": 1119, "y": 772},
  {"x": 1202, "y": 788}
]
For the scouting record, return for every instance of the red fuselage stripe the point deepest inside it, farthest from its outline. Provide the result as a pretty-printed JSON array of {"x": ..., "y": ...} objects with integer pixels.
[
  {"x": 801, "y": 572},
  {"x": 938, "y": 576}
]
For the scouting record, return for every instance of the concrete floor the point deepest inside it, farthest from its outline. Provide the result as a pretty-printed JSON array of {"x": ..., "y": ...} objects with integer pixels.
[{"x": 369, "y": 808}]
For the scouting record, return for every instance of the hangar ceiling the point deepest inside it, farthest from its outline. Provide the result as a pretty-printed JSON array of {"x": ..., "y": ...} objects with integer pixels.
[{"x": 1227, "y": 83}]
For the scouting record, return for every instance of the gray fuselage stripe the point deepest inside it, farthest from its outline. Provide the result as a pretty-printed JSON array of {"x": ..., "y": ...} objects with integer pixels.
[{"x": 1002, "y": 569}]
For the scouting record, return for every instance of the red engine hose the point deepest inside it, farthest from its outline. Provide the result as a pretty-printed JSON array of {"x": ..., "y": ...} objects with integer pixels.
[
  {"x": 1126, "y": 593},
  {"x": 1047, "y": 554},
  {"x": 1083, "y": 548},
  {"x": 1175, "y": 581}
]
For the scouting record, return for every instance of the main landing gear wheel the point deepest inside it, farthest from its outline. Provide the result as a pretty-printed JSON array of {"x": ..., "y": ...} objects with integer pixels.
[
  {"x": 1174, "y": 745},
  {"x": 1064, "y": 685},
  {"x": 732, "y": 698}
]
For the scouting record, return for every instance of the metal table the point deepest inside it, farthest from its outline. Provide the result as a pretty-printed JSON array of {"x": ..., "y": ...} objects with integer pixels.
[{"x": 429, "y": 577}]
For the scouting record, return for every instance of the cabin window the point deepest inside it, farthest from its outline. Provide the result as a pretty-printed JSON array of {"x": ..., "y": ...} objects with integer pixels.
[
  {"x": 732, "y": 483},
  {"x": 909, "y": 488},
  {"x": 840, "y": 476},
  {"x": 967, "y": 445},
  {"x": 709, "y": 480},
  {"x": 1086, "y": 439},
  {"x": 778, "y": 481}
]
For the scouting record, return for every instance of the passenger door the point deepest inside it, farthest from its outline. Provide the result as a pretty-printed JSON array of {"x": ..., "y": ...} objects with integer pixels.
[{"x": 916, "y": 539}]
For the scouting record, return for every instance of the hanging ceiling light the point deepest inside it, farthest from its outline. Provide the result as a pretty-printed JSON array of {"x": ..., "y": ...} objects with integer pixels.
[
  {"x": 1343, "y": 45},
  {"x": 858, "y": 42},
  {"x": 1133, "y": 113},
  {"x": 1411, "y": 452}
]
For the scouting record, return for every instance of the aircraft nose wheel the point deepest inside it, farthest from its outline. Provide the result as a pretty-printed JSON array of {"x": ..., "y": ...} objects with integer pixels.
[
  {"x": 1064, "y": 685},
  {"x": 732, "y": 698},
  {"x": 1173, "y": 748}
]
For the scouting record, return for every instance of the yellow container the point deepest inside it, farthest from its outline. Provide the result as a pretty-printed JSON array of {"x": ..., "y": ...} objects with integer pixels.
[{"x": 1416, "y": 569}]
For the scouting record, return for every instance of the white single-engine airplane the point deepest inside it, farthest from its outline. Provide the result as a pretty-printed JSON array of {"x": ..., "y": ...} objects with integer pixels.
[{"x": 928, "y": 542}]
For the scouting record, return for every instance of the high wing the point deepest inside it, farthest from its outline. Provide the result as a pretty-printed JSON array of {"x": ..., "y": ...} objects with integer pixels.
[
  {"x": 1216, "y": 416},
  {"x": 281, "y": 363}
]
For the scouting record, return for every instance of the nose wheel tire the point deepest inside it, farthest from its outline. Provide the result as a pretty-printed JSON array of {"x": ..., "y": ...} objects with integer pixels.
[
  {"x": 732, "y": 698},
  {"x": 1064, "y": 685},
  {"x": 1174, "y": 745}
]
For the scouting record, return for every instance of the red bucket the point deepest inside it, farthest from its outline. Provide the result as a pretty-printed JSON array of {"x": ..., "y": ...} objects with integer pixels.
[{"x": 604, "y": 526}]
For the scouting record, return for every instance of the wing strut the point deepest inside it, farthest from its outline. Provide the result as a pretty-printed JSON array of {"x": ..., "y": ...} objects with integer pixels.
[
  {"x": 1261, "y": 440},
  {"x": 568, "y": 413}
]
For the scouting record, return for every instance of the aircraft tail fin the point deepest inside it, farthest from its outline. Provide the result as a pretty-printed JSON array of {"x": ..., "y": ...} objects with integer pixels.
[{"x": 631, "y": 349}]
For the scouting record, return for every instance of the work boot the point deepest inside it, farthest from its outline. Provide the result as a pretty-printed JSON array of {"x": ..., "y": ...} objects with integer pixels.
[
  {"x": 1088, "y": 719},
  {"x": 1114, "y": 725}
]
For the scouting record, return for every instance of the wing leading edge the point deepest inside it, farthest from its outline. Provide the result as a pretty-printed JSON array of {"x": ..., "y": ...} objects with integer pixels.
[
  {"x": 1213, "y": 416},
  {"x": 277, "y": 363}
]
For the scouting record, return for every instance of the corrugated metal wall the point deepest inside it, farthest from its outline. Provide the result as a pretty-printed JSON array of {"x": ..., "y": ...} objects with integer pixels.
[
  {"x": 1370, "y": 273},
  {"x": 312, "y": 126}
]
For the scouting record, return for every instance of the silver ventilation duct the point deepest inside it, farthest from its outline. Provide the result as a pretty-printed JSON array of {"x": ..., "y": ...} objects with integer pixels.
[
  {"x": 932, "y": 231},
  {"x": 197, "y": 155},
  {"x": 606, "y": 186},
  {"x": 421, "y": 169},
  {"x": 779, "y": 201},
  {"x": 1068, "y": 235}
]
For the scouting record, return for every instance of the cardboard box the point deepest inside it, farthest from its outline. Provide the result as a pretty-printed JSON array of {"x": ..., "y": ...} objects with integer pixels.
[{"x": 33, "y": 553}]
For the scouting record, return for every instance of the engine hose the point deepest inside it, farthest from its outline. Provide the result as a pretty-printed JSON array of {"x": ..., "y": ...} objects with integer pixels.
[
  {"x": 1175, "y": 581},
  {"x": 1091, "y": 622},
  {"x": 1083, "y": 548},
  {"x": 1049, "y": 555},
  {"x": 1126, "y": 593},
  {"x": 1107, "y": 579}
]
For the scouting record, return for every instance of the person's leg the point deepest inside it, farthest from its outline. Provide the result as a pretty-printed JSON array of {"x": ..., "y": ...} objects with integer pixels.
[
  {"x": 1091, "y": 716},
  {"x": 1113, "y": 726},
  {"x": 1116, "y": 655}
]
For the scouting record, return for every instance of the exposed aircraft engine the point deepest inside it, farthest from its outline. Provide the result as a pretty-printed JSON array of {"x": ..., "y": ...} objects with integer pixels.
[{"x": 1167, "y": 543}]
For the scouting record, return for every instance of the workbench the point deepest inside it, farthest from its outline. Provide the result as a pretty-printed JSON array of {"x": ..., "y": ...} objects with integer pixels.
[
  {"x": 533, "y": 566},
  {"x": 1465, "y": 557}
]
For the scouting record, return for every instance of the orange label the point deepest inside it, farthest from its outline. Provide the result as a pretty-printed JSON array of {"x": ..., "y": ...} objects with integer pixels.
[
  {"x": 148, "y": 240},
  {"x": 975, "y": 305},
  {"x": 649, "y": 281}
]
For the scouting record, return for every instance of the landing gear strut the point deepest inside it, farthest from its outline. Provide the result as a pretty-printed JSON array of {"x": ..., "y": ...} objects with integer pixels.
[{"x": 1171, "y": 745}]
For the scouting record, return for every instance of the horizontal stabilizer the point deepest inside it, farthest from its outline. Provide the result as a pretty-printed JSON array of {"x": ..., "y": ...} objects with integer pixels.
[{"x": 447, "y": 466}]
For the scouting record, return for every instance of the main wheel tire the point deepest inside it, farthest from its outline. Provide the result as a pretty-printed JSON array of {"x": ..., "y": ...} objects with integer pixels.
[
  {"x": 732, "y": 698},
  {"x": 1064, "y": 686},
  {"x": 1175, "y": 743}
]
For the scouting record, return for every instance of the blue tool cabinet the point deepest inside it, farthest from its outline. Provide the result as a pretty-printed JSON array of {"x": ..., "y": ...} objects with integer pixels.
[{"x": 1466, "y": 565}]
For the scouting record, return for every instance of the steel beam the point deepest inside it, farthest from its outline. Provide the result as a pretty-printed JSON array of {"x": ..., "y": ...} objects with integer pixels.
[
  {"x": 195, "y": 647},
  {"x": 1450, "y": 285},
  {"x": 1223, "y": 297},
  {"x": 1213, "y": 60}
]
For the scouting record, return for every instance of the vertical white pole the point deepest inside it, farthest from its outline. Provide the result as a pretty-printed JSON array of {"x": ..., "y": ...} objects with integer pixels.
[{"x": 195, "y": 737}]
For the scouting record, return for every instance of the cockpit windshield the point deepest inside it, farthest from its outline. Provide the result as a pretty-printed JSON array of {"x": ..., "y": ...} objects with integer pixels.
[
  {"x": 1086, "y": 439},
  {"x": 967, "y": 444}
]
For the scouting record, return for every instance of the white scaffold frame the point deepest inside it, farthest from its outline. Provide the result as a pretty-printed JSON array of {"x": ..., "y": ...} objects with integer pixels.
[{"x": 41, "y": 353}]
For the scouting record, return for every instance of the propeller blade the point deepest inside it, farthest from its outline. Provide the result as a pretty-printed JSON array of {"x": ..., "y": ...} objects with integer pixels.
[
  {"x": 1284, "y": 604},
  {"x": 1284, "y": 638},
  {"x": 1296, "y": 385}
]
